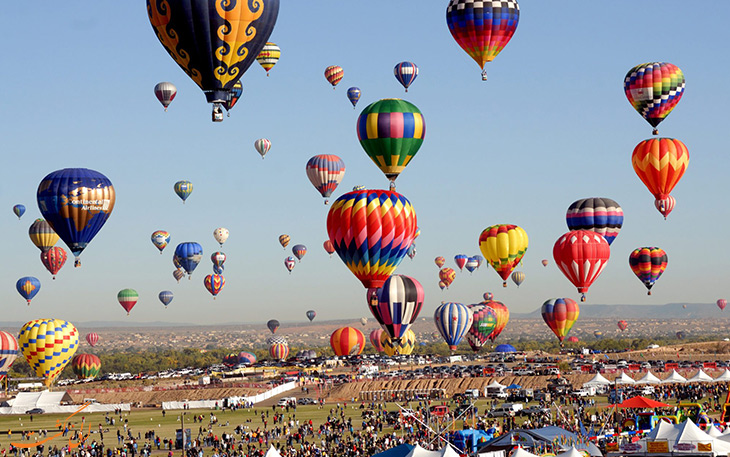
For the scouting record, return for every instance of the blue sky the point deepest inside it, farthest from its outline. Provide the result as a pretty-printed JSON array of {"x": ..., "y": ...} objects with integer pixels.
[{"x": 551, "y": 125}]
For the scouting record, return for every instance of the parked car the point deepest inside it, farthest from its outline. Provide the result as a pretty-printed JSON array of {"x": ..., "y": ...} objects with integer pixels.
[
  {"x": 35, "y": 411},
  {"x": 535, "y": 410},
  {"x": 306, "y": 401}
]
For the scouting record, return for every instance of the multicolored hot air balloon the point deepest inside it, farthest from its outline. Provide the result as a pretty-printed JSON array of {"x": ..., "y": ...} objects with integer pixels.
[
  {"x": 453, "y": 320},
  {"x": 403, "y": 346},
  {"x": 19, "y": 210},
  {"x": 128, "y": 298},
  {"x": 214, "y": 284},
  {"x": 460, "y": 261},
  {"x": 471, "y": 264},
  {"x": 236, "y": 92},
  {"x": 53, "y": 259},
  {"x": 273, "y": 325},
  {"x": 442, "y": 285},
  {"x": 648, "y": 264},
  {"x": 518, "y": 277},
  {"x": 391, "y": 132},
  {"x": 248, "y": 358},
  {"x": 488, "y": 296},
  {"x": 622, "y": 325},
  {"x": 299, "y": 251},
  {"x": 721, "y": 303},
  {"x": 86, "y": 366},
  {"x": 218, "y": 258},
  {"x": 289, "y": 263},
  {"x": 371, "y": 231},
  {"x": 8, "y": 352},
  {"x": 347, "y": 341},
  {"x": 375, "y": 339},
  {"x": 28, "y": 287},
  {"x": 334, "y": 74},
  {"x": 92, "y": 338},
  {"x": 581, "y": 255},
  {"x": 165, "y": 93},
  {"x": 501, "y": 312},
  {"x": 560, "y": 314},
  {"x": 160, "y": 238},
  {"x": 278, "y": 348},
  {"x": 411, "y": 252},
  {"x": 311, "y": 314},
  {"x": 284, "y": 240},
  {"x": 165, "y": 297},
  {"x": 76, "y": 202},
  {"x": 353, "y": 94},
  {"x": 268, "y": 56},
  {"x": 48, "y": 345},
  {"x": 545, "y": 262},
  {"x": 178, "y": 274},
  {"x": 262, "y": 146},
  {"x": 325, "y": 172},
  {"x": 42, "y": 235},
  {"x": 447, "y": 276},
  {"x": 484, "y": 323},
  {"x": 439, "y": 261},
  {"x": 221, "y": 235},
  {"x": 601, "y": 215},
  {"x": 654, "y": 89},
  {"x": 329, "y": 247},
  {"x": 405, "y": 73},
  {"x": 189, "y": 255},
  {"x": 183, "y": 189},
  {"x": 398, "y": 304},
  {"x": 503, "y": 246},
  {"x": 660, "y": 164},
  {"x": 482, "y": 28},
  {"x": 214, "y": 43}
]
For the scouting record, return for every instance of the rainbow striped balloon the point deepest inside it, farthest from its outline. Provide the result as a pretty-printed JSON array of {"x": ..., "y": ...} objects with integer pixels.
[
  {"x": 654, "y": 89},
  {"x": 347, "y": 341},
  {"x": 214, "y": 284},
  {"x": 8, "y": 352},
  {"x": 86, "y": 366},
  {"x": 325, "y": 172}
]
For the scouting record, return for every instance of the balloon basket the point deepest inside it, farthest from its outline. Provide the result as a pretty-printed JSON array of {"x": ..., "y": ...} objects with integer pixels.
[{"x": 504, "y": 284}]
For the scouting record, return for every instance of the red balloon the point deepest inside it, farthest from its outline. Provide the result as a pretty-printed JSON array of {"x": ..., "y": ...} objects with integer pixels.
[
  {"x": 329, "y": 247},
  {"x": 53, "y": 259},
  {"x": 92, "y": 338},
  {"x": 622, "y": 325},
  {"x": 581, "y": 255}
]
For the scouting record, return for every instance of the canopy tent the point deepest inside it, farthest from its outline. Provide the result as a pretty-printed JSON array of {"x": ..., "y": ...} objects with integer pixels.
[
  {"x": 272, "y": 452},
  {"x": 505, "y": 348},
  {"x": 680, "y": 439},
  {"x": 514, "y": 386},
  {"x": 540, "y": 438},
  {"x": 624, "y": 379},
  {"x": 446, "y": 451},
  {"x": 641, "y": 402},
  {"x": 597, "y": 380},
  {"x": 713, "y": 431},
  {"x": 674, "y": 377},
  {"x": 572, "y": 452},
  {"x": 724, "y": 377},
  {"x": 53, "y": 402},
  {"x": 398, "y": 451},
  {"x": 701, "y": 376},
  {"x": 648, "y": 378}
]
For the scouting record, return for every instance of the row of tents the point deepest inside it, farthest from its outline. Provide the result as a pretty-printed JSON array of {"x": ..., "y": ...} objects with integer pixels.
[{"x": 649, "y": 378}]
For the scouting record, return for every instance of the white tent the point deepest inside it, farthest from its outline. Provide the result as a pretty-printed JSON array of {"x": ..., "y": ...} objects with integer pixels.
[
  {"x": 624, "y": 379},
  {"x": 272, "y": 452},
  {"x": 682, "y": 439},
  {"x": 494, "y": 388},
  {"x": 663, "y": 431},
  {"x": 648, "y": 378},
  {"x": 674, "y": 377},
  {"x": 446, "y": 451},
  {"x": 713, "y": 431},
  {"x": 572, "y": 452},
  {"x": 597, "y": 380},
  {"x": 53, "y": 402},
  {"x": 701, "y": 376},
  {"x": 725, "y": 376},
  {"x": 519, "y": 452}
]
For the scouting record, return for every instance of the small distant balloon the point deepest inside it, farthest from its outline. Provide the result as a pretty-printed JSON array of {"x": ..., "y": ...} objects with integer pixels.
[
  {"x": 363, "y": 321},
  {"x": 165, "y": 297},
  {"x": 353, "y": 94},
  {"x": 311, "y": 314},
  {"x": 214, "y": 284},
  {"x": 19, "y": 210},
  {"x": 290, "y": 262},
  {"x": 273, "y": 325},
  {"x": 488, "y": 296},
  {"x": 262, "y": 146},
  {"x": 128, "y": 298},
  {"x": 405, "y": 73},
  {"x": 183, "y": 189},
  {"x": 518, "y": 277},
  {"x": 329, "y": 247},
  {"x": 160, "y": 239},
  {"x": 92, "y": 338},
  {"x": 299, "y": 250},
  {"x": 268, "y": 56},
  {"x": 439, "y": 261},
  {"x": 721, "y": 303},
  {"x": 442, "y": 285},
  {"x": 545, "y": 262},
  {"x": 165, "y": 93},
  {"x": 54, "y": 259},
  {"x": 28, "y": 287},
  {"x": 221, "y": 235},
  {"x": 178, "y": 274},
  {"x": 333, "y": 74},
  {"x": 284, "y": 240},
  {"x": 447, "y": 275}
]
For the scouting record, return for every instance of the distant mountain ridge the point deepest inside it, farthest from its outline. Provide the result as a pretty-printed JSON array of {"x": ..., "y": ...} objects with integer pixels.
[{"x": 666, "y": 311}]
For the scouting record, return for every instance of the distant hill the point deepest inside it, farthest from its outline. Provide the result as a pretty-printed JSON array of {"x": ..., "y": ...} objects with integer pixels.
[{"x": 668, "y": 311}]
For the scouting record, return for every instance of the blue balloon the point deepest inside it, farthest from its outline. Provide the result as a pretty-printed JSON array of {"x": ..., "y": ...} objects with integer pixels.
[
  {"x": 311, "y": 314},
  {"x": 406, "y": 73},
  {"x": 353, "y": 94},
  {"x": 165, "y": 297},
  {"x": 188, "y": 255},
  {"x": 28, "y": 287},
  {"x": 19, "y": 210},
  {"x": 218, "y": 269},
  {"x": 453, "y": 320}
]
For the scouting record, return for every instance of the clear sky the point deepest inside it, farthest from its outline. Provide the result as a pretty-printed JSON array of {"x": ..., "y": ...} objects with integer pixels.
[{"x": 551, "y": 125}]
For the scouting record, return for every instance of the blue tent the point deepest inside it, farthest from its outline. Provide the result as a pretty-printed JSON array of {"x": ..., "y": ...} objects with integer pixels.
[
  {"x": 505, "y": 348},
  {"x": 514, "y": 386},
  {"x": 536, "y": 438},
  {"x": 398, "y": 451},
  {"x": 468, "y": 441}
]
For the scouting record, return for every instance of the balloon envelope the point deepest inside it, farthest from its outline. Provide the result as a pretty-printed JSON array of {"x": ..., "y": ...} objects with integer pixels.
[
  {"x": 452, "y": 321},
  {"x": 398, "y": 304},
  {"x": 160, "y": 238},
  {"x": 92, "y": 338},
  {"x": 560, "y": 314},
  {"x": 581, "y": 255},
  {"x": 654, "y": 89},
  {"x": 42, "y": 235},
  {"x": 721, "y": 303},
  {"x": 128, "y": 298},
  {"x": 183, "y": 189},
  {"x": 273, "y": 325},
  {"x": 262, "y": 146},
  {"x": 221, "y": 235},
  {"x": 404, "y": 346},
  {"x": 601, "y": 215},
  {"x": 48, "y": 345},
  {"x": 165, "y": 93},
  {"x": 660, "y": 163},
  {"x": 347, "y": 341},
  {"x": 165, "y": 297},
  {"x": 8, "y": 352},
  {"x": 405, "y": 73},
  {"x": 503, "y": 246},
  {"x": 188, "y": 255},
  {"x": 353, "y": 94},
  {"x": 648, "y": 264},
  {"x": 19, "y": 210},
  {"x": 214, "y": 283},
  {"x": 86, "y": 366},
  {"x": 268, "y": 56},
  {"x": 325, "y": 172},
  {"x": 333, "y": 74},
  {"x": 28, "y": 287},
  {"x": 311, "y": 314}
]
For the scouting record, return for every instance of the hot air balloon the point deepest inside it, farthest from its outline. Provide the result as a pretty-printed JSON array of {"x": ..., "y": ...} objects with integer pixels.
[
  {"x": 165, "y": 297},
  {"x": 391, "y": 131},
  {"x": 460, "y": 261},
  {"x": 601, "y": 215},
  {"x": 488, "y": 296},
  {"x": 329, "y": 247},
  {"x": 188, "y": 255},
  {"x": 622, "y": 325},
  {"x": 545, "y": 262},
  {"x": 278, "y": 348},
  {"x": 371, "y": 231},
  {"x": 76, "y": 202},
  {"x": 8, "y": 352},
  {"x": 375, "y": 339},
  {"x": 48, "y": 345},
  {"x": 299, "y": 250},
  {"x": 245, "y": 357},
  {"x": 439, "y": 261},
  {"x": 453, "y": 320},
  {"x": 160, "y": 238},
  {"x": 311, "y": 314},
  {"x": 502, "y": 313},
  {"x": 411, "y": 252},
  {"x": 268, "y": 56},
  {"x": 581, "y": 255},
  {"x": 721, "y": 303},
  {"x": 183, "y": 189},
  {"x": 363, "y": 321},
  {"x": 19, "y": 210},
  {"x": 28, "y": 287},
  {"x": 42, "y": 235},
  {"x": 236, "y": 92},
  {"x": 572, "y": 339},
  {"x": 214, "y": 284},
  {"x": 598, "y": 334},
  {"x": 518, "y": 277},
  {"x": 660, "y": 164},
  {"x": 447, "y": 276},
  {"x": 230, "y": 359},
  {"x": 358, "y": 187},
  {"x": 353, "y": 94},
  {"x": 403, "y": 346},
  {"x": 218, "y": 259},
  {"x": 482, "y": 29},
  {"x": 442, "y": 285},
  {"x": 284, "y": 240},
  {"x": 53, "y": 259},
  {"x": 405, "y": 73},
  {"x": 325, "y": 172},
  {"x": 178, "y": 274},
  {"x": 86, "y": 366},
  {"x": 347, "y": 341},
  {"x": 221, "y": 235},
  {"x": 681, "y": 335},
  {"x": 398, "y": 304},
  {"x": 560, "y": 314},
  {"x": 92, "y": 338},
  {"x": 165, "y": 93},
  {"x": 333, "y": 74},
  {"x": 503, "y": 246},
  {"x": 290, "y": 262},
  {"x": 648, "y": 264},
  {"x": 471, "y": 264},
  {"x": 273, "y": 325},
  {"x": 484, "y": 323},
  {"x": 127, "y": 298},
  {"x": 218, "y": 269},
  {"x": 654, "y": 89},
  {"x": 262, "y": 146},
  {"x": 214, "y": 43}
]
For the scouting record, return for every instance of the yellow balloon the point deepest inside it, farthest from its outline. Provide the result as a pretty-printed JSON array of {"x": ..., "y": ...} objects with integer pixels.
[
  {"x": 406, "y": 346},
  {"x": 48, "y": 345},
  {"x": 42, "y": 235},
  {"x": 503, "y": 246}
]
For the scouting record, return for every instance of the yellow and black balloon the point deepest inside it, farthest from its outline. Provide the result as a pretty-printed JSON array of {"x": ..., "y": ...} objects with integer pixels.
[
  {"x": 404, "y": 347},
  {"x": 48, "y": 345}
]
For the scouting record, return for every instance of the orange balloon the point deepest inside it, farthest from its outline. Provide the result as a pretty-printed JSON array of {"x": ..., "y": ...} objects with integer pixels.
[
  {"x": 660, "y": 164},
  {"x": 347, "y": 341}
]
